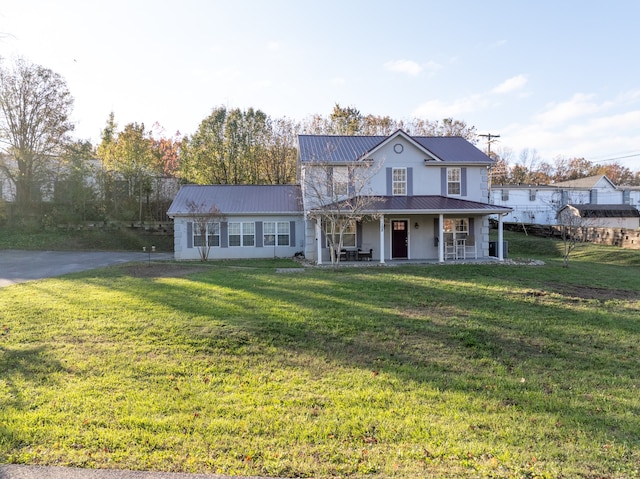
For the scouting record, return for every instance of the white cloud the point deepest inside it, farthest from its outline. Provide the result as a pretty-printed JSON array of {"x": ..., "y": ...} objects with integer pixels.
[
  {"x": 456, "y": 108},
  {"x": 511, "y": 84},
  {"x": 577, "y": 106},
  {"x": 338, "y": 81},
  {"x": 404, "y": 66},
  {"x": 273, "y": 46}
]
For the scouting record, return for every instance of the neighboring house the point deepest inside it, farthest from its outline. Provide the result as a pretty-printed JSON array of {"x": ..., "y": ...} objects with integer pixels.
[
  {"x": 540, "y": 204},
  {"x": 600, "y": 216},
  {"x": 256, "y": 221},
  {"x": 427, "y": 201}
]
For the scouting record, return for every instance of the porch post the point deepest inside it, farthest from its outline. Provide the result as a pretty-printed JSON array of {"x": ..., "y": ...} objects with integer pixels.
[
  {"x": 381, "y": 238},
  {"x": 441, "y": 238},
  {"x": 500, "y": 241},
  {"x": 318, "y": 241}
]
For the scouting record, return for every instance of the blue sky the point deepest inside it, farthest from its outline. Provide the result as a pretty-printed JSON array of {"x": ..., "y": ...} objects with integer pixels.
[{"x": 558, "y": 77}]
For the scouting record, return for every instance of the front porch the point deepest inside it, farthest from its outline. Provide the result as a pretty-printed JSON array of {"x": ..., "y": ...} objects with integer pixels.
[{"x": 414, "y": 237}]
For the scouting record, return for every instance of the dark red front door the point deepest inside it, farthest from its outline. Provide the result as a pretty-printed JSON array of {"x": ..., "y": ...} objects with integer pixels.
[{"x": 399, "y": 239}]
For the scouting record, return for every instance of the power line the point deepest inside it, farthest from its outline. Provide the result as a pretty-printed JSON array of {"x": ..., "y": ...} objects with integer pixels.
[
  {"x": 616, "y": 158},
  {"x": 490, "y": 139}
]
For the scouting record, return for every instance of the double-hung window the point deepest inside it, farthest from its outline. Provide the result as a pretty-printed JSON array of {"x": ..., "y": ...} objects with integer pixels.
[
  {"x": 208, "y": 236},
  {"x": 242, "y": 234},
  {"x": 348, "y": 235},
  {"x": 459, "y": 226},
  {"x": 399, "y": 181},
  {"x": 340, "y": 180},
  {"x": 454, "y": 181},
  {"x": 213, "y": 234},
  {"x": 276, "y": 233}
]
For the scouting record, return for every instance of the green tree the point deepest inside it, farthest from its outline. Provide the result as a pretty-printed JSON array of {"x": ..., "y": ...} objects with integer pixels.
[
  {"x": 130, "y": 160},
  {"x": 35, "y": 105},
  {"x": 228, "y": 148},
  {"x": 75, "y": 192}
]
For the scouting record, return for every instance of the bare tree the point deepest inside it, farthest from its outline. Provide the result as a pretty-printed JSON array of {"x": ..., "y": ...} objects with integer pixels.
[
  {"x": 572, "y": 226},
  {"x": 35, "y": 105},
  {"x": 206, "y": 227},
  {"x": 339, "y": 196}
]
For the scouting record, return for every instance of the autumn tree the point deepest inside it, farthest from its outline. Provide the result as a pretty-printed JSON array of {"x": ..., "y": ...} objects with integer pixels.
[
  {"x": 35, "y": 105},
  {"x": 129, "y": 158}
]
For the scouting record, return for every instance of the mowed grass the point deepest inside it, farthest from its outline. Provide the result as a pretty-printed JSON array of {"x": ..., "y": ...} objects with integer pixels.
[{"x": 490, "y": 371}]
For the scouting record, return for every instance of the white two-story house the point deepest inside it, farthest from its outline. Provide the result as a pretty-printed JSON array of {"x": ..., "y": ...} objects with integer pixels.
[{"x": 399, "y": 198}]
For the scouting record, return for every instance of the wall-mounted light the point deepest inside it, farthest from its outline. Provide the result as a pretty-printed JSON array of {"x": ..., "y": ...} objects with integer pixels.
[{"x": 416, "y": 226}]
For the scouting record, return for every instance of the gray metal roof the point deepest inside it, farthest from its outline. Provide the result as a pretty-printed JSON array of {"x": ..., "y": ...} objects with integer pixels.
[
  {"x": 238, "y": 199},
  {"x": 606, "y": 211},
  {"x": 429, "y": 205},
  {"x": 340, "y": 149}
]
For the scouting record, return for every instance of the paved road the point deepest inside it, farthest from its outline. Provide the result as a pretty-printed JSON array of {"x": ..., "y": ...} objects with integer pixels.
[
  {"x": 20, "y": 266},
  {"x": 41, "y": 472}
]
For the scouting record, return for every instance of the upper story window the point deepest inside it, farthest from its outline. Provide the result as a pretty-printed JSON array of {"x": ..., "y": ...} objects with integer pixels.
[
  {"x": 454, "y": 181},
  {"x": 399, "y": 181},
  {"x": 340, "y": 180}
]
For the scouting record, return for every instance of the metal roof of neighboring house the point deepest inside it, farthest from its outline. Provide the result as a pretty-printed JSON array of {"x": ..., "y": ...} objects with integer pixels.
[
  {"x": 587, "y": 182},
  {"x": 427, "y": 204},
  {"x": 606, "y": 211},
  {"x": 238, "y": 199},
  {"x": 342, "y": 149}
]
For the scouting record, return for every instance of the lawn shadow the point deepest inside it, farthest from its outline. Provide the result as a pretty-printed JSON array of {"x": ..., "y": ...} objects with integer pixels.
[{"x": 413, "y": 329}]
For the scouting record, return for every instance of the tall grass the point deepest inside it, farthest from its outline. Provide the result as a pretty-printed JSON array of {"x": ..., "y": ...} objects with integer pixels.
[{"x": 416, "y": 371}]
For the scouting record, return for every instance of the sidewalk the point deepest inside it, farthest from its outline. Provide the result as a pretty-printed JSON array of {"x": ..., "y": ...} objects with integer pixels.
[{"x": 19, "y": 471}]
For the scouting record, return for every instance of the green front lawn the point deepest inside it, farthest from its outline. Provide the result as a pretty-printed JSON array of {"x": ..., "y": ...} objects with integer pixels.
[{"x": 416, "y": 371}]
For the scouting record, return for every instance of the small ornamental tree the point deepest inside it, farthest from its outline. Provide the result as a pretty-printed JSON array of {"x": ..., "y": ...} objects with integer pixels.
[
  {"x": 206, "y": 226},
  {"x": 339, "y": 196},
  {"x": 571, "y": 225}
]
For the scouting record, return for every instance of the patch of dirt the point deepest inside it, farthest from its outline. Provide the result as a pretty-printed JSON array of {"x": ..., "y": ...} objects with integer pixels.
[
  {"x": 161, "y": 270},
  {"x": 590, "y": 292}
]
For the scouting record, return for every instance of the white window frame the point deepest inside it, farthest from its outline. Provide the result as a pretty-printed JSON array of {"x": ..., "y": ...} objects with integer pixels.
[
  {"x": 245, "y": 231},
  {"x": 349, "y": 239},
  {"x": 276, "y": 233},
  {"x": 212, "y": 231},
  {"x": 454, "y": 181},
  {"x": 340, "y": 179},
  {"x": 399, "y": 181},
  {"x": 457, "y": 226}
]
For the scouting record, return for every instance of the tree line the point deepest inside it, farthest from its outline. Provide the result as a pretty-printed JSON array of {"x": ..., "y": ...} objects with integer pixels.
[{"x": 129, "y": 175}]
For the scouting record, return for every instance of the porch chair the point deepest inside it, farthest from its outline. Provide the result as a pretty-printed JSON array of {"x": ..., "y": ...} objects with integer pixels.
[
  {"x": 449, "y": 247},
  {"x": 470, "y": 247},
  {"x": 365, "y": 255}
]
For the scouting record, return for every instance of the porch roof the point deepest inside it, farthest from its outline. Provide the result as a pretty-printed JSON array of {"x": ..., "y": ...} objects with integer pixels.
[{"x": 429, "y": 204}]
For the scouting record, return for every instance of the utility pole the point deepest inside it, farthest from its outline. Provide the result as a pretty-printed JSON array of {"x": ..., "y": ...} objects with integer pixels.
[{"x": 490, "y": 139}]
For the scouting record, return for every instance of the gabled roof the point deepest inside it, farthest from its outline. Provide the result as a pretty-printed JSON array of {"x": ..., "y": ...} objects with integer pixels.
[
  {"x": 238, "y": 199},
  {"x": 588, "y": 182},
  {"x": 605, "y": 211},
  {"x": 345, "y": 149},
  {"x": 427, "y": 204}
]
